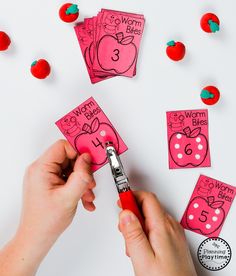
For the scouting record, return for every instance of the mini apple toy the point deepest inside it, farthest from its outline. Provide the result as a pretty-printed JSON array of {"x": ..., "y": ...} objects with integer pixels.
[
  {"x": 5, "y": 41},
  {"x": 117, "y": 53},
  {"x": 205, "y": 215},
  {"x": 175, "y": 50},
  {"x": 40, "y": 69},
  {"x": 69, "y": 12},
  {"x": 92, "y": 139},
  {"x": 210, "y": 23},
  {"x": 210, "y": 95},
  {"x": 188, "y": 148}
]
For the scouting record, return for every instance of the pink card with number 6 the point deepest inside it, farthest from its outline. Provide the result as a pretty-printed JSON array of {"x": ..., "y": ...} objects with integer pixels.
[
  {"x": 87, "y": 128},
  {"x": 208, "y": 206},
  {"x": 188, "y": 139}
]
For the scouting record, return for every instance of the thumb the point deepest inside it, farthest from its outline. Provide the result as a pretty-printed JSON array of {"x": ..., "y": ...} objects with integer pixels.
[
  {"x": 137, "y": 244},
  {"x": 81, "y": 178}
]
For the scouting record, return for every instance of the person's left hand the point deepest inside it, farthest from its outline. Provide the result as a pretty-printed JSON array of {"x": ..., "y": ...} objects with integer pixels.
[{"x": 53, "y": 185}]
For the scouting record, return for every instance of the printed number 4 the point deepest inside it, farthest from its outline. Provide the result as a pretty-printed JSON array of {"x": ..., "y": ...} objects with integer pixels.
[
  {"x": 99, "y": 143},
  {"x": 116, "y": 56},
  {"x": 203, "y": 217}
]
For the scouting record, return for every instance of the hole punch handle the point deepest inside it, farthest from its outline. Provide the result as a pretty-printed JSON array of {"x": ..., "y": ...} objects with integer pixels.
[{"x": 129, "y": 202}]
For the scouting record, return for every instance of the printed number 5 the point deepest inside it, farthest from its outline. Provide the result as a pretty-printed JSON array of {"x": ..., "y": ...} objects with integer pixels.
[
  {"x": 203, "y": 217},
  {"x": 116, "y": 53}
]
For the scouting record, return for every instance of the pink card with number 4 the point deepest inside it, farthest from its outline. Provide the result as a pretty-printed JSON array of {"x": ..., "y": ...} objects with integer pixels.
[
  {"x": 87, "y": 128},
  {"x": 208, "y": 206},
  {"x": 188, "y": 139}
]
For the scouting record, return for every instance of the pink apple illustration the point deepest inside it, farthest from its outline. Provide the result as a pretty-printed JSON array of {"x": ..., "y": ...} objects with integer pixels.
[
  {"x": 188, "y": 147},
  {"x": 70, "y": 125},
  {"x": 88, "y": 54},
  {"x": 92, "y": 139},
  {"x": 205, "y": 215},
  {"x": 116, "y": 53}
]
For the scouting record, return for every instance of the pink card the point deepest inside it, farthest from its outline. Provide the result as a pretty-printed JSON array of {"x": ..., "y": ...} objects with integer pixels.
[
  {"x": 85, "y": 33},
  {"x": 208, "y": 206},
  {"x": 87, "y": 128},
  {"x": 118, "y": 39},
  {"x": 188, "y": 139}
]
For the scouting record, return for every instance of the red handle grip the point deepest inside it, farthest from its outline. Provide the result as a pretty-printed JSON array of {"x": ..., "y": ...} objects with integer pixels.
[{"x": 128, "y": 202}]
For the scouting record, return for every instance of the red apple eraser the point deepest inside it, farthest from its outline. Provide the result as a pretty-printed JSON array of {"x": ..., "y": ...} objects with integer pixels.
[
  {"x": 175, "y": 50},
  {"x": 40, "y": 69},
  {"x": 210, "y": 23},
  {"x": 69, "y": 12},
  {"x": 5, "y": 41},
  {"x": 210, "y": 95}
]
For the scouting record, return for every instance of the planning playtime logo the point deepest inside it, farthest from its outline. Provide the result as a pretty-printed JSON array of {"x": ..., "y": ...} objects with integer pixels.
[{"x": 214, "y": 254}]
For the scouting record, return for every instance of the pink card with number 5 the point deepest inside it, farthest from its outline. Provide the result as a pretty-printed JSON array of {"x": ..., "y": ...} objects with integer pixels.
[
  {"x": 208, "y": 206},
  {"x": 188, "y": 139},
  {"x": 87, "y": 128}
]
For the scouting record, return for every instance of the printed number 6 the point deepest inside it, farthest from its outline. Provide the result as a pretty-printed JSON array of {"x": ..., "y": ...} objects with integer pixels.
[
  {"x": 188, "y": 150},
  {"x": 203, "y": 217},
  {"x": 116, "y": 53}
]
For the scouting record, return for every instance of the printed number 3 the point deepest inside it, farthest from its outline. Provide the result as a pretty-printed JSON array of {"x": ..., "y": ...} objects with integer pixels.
[
  {"x": 203, "y": 217},
  {"x": 116, "y": 56}
]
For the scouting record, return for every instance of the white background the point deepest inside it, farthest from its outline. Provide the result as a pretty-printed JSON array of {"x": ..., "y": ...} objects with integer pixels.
[{"x": 29, "y": 107}]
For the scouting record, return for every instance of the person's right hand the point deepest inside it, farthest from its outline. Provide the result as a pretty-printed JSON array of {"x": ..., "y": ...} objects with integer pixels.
[{"x": 163, "y": 250}]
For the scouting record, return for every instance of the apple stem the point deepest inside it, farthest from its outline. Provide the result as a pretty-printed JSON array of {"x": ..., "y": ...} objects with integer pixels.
[
  {"x": 120, "y": 37},
  {"x": 73, "y": 9},
  {"x": 214, "y": 26},
  {"x": 205, "y": 94},
  {"x": 187, "y": 131}
]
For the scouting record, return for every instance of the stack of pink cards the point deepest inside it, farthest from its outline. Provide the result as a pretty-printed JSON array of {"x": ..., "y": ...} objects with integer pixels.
[{"x": 110, "y": 43}]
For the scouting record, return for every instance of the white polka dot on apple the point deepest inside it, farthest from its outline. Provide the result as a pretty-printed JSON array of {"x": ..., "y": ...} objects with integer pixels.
[
  {"x": 198, "y": 139},
  {"x": 200, "y": 147},
  {"x": 191, "y": 217},
  {"x": 103, "y": 133},
  {"x": 180, "y": 155},
  {"x": 214, "y": 218},
  {"x": 217, "y": 211},
  {"x": 195, "y": 205},
  {"x": 197, "y": 156},
  {"x": 178, "y": 136},
  {"x": 208, "y": 226},
  {"x": 177, "y": 146}
]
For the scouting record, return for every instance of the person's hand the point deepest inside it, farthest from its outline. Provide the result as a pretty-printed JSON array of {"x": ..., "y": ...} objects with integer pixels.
[
  {"x": 163, "y": 250},
  {"x": 53, "y": 185}
]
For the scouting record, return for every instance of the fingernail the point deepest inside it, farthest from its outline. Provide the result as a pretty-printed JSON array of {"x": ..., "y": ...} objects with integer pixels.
[
  {"x": 87, "y": 158},
  {"x": 127, "y": 219}
]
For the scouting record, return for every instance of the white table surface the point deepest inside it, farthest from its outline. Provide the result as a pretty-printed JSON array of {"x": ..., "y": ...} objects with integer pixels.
[{"x": 92, "y": 246}]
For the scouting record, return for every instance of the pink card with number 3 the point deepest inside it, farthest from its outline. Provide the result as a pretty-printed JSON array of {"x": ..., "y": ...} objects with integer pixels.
[
  {"x": 87, "y": 128},
  {"x": 188, "y": 139},
  {"x": 208, "y": 206}
]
